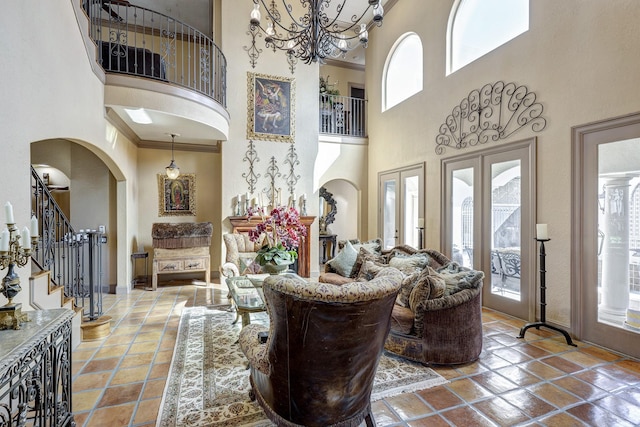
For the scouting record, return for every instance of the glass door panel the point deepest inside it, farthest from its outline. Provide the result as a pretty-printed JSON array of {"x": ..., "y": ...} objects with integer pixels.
[
  {"x": 505, "y": 229},
  {"x": 618, "y": 232},
  {"x": 389, "y": 215},
  {"x": 462, "y": 216},
  {"x": 411, "y": 210}
]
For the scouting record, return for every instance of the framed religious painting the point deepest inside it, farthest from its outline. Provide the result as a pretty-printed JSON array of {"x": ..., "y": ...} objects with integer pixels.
[
  {"x": 177, "y": 196},
  {"x": 271, "y": 108}
]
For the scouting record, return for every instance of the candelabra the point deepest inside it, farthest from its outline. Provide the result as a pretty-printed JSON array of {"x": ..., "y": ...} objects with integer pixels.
[
  {"x": 12, "y": 255},
  {"x": 543, "y": 300}
]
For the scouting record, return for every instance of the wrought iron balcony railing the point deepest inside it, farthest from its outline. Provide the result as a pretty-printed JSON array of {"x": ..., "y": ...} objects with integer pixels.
[
  {"x": 342, "y": 115},
  {"x": 140, "y": 42}
]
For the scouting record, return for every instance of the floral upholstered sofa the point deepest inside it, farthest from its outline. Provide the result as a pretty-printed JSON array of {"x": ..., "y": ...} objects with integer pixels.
[{"x": 437, "y": 317}]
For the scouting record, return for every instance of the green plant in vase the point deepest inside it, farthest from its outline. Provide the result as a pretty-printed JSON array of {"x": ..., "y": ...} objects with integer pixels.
[{"x": 281, "y": 231}]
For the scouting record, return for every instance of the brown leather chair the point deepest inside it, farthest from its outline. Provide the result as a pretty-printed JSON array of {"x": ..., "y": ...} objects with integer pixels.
[{"x": 324, "y": 342}]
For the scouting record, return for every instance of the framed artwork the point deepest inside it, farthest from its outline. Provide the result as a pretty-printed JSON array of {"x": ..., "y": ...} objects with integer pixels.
[
  {"x": 177, "y": 196},
  {"x": 271, "y": 108}
]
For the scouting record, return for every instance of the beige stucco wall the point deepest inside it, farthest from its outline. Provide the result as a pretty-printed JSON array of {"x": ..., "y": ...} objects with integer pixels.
[
  {"x": 579, "y": 57},
  {"x": 236, "y": 13},
  {"x": 342, "y": 78},
  {"x": 52, "y": 93},
  {"x": 206, "y": 167}
]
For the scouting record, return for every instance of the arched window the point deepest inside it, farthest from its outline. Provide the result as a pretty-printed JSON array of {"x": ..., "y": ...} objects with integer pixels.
[
  {"x": 402, "y": 75},
  {"x": 477, "y": 27}
]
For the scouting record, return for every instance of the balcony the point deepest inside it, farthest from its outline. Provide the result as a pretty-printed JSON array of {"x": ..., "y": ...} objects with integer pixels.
[
  {"x": 342, "y": 116},
  {"x": 140, "y": 42}
]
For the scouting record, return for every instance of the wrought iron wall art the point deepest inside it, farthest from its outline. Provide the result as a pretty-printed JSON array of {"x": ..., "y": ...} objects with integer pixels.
[
  {"x": 252, "y": 50},
  {"x": 491, "y": 113},
  {"x": 292, "y": 161},
  {"x": 251, "y": 177},
  {"x": 274, "y": 194}
]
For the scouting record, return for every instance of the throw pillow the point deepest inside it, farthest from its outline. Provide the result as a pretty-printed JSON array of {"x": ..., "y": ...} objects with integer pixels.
[
  {"x": 345, "y": 260},
  {"x": 409, "y": 264},
  {"x": 405, "y": 290},
  {"x": 373, "y": 246},
  {"x": 429, "y": 285},
  {"x": 365, "y": 255},
  {"x": 368, "y": 270}
]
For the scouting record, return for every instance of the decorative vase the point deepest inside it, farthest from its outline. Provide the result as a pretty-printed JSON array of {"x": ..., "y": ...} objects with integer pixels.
[{"x": 272, "y": 268}]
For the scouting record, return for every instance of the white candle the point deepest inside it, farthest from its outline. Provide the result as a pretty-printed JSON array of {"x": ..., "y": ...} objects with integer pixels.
[
  {"x": 541, "y": 232},
  {"x": 246, "y": 196},
  {"x": 34, "y": 226},
  {"x": 238, "y": 198},
  {"x": 26, "y": 237},
  {"x": 304, "y": 196},
  {"x": 8, "y": 210},
  {"x": 420, "y": 222},
  {"x": 4, "y": 241}
]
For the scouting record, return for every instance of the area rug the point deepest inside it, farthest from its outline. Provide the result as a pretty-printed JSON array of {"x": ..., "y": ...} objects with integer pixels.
[{"x": 208, "y": 382}]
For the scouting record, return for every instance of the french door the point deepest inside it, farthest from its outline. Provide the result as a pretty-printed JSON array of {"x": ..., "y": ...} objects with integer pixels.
[
  {"x": 401, "y": 195},
  {"x": 606, "y": 235},
  {"x": 489, "y": 201}
]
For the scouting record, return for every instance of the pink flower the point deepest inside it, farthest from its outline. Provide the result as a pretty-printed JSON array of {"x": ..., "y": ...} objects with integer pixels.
[{"x": 283, "y": 226}]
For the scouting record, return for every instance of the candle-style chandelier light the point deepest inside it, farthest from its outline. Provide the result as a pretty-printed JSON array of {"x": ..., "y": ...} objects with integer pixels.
[{"x": 322, "y": 32}]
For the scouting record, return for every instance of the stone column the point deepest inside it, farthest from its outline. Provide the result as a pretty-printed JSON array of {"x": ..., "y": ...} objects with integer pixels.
[{"x": 615, "y": 251}]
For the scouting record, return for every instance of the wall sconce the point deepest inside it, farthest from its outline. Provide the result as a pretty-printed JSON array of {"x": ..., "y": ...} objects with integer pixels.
[{"x": 173, "y": 171}]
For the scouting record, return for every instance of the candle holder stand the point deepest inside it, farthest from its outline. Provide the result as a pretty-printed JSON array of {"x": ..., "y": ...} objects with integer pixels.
[
  {"x": 11, "y": 316},
  {"x": 543, "y": 301}
]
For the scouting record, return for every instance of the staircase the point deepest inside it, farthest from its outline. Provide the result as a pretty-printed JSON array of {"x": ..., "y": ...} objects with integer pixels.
[{"x": 66, "y": 267}]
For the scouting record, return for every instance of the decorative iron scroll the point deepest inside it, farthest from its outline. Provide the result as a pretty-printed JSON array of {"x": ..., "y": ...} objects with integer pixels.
[
  {"x": 489, "y": 114},
  {"x": 273, "y": 172},
  {"x": 251, "y": 156},
  {"x": 253, "y": 51},
  {"x": 292, "y": 161}
]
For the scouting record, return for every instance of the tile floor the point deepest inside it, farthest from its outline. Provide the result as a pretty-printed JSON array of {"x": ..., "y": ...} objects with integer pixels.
[{"x": 536, "y": 381}]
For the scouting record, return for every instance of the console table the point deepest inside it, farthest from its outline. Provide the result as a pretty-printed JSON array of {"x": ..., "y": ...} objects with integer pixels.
[
  {"x": 35, "y": 371},
  {"x": 181, "y": 248}
]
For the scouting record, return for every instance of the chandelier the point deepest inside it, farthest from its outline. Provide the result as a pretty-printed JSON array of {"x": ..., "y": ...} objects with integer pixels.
[{"x": 315, "y": 35}]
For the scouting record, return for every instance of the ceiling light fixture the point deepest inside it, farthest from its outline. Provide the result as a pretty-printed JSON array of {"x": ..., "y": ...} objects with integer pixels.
[
  {"x": 173, "y": 171},
  {"x": 315, "y": 36}
]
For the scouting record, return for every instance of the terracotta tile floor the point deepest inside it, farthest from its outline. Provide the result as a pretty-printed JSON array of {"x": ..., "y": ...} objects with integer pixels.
[{"x": 536, "y": 381}]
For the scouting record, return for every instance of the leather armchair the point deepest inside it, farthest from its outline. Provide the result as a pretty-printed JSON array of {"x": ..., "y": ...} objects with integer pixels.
[{"x": 324, "y": 342}]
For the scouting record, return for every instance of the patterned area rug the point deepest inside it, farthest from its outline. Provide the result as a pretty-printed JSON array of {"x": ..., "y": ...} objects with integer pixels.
[{"x": 208, "y": 382}]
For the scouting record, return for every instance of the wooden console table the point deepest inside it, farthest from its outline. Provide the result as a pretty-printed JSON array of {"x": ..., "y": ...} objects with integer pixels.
[
  {"x": 242, "y": 224},
  {"x": 183, "y": 260},
  {"x": 35, "y": 371}
]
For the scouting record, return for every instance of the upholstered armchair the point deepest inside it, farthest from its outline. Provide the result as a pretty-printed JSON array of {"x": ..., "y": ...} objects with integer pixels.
[
  {"x": 324, "y": 341},
  {"x": 240, "y": 253}
]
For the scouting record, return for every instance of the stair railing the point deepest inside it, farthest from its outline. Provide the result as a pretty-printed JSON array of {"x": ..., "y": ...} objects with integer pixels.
[{"x": 74, "y": 258}]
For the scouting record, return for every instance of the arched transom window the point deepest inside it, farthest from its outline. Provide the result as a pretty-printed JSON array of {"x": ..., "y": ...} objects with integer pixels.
[
  {"x": 402, "y": 75},
  {"x": 476, "y": 27}
]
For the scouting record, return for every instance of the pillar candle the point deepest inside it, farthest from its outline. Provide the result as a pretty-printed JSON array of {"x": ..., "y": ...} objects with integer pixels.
[
  {"x": 26, "y": 237},
  {"x": 304, "y": 196},
  {"x": 541, "y": 232},
  {"x": 34, "y": 226},
  {"x": 4, "y": 241},
  {"x": 420, "y": 222},
  {"x": 8, "y": 210}
]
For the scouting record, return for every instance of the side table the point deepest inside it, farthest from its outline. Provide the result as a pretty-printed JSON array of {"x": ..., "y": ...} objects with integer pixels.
[
  {"x": 328, "y": 243},
  {"x": 136, "y": 256}
]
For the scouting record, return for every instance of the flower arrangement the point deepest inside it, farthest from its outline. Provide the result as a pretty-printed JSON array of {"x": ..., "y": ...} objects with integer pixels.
[{"x": 281, "y": 230}]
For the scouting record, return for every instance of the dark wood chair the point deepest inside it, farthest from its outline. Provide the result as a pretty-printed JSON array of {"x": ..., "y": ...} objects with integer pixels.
[{"x": 318, "y": 363}]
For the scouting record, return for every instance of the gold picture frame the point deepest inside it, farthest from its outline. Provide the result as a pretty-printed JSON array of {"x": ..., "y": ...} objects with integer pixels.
[
  {"x": 177, "y": 197},
  {"x": 271, "y": 108}
]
